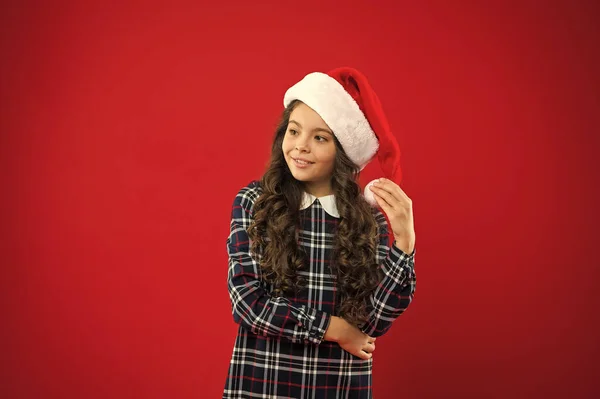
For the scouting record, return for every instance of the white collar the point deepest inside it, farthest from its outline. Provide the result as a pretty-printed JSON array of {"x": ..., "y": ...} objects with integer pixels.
[{"x": 327, "y": 202}]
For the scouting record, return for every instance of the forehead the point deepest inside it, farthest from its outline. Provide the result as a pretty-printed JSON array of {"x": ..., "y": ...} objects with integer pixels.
[{"x": 307, "y": 116}]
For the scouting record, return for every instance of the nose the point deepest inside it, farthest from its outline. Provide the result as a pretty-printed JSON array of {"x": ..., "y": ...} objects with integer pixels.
[{"x": 302, "y": 144}]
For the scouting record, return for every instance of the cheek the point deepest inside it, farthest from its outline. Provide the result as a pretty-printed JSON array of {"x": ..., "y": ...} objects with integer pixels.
[
  {"x": 331, "y": 164},
  {"x": 326, "y": 159},
  {"x": 285, "y": 145},
  {"x": 330, "y": 155}
]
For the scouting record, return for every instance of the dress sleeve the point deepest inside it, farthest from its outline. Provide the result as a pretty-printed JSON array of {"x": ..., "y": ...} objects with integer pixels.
[
  {"x": 396, "y": 290},
  {"x": 252, "y": 306}
]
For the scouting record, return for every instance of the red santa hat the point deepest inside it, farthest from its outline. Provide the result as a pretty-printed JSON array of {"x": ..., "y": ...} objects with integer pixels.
[{"x": 346, "y": 102}]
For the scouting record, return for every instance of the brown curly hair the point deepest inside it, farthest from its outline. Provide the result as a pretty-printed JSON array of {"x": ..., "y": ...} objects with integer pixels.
[{"x": 274, "y": 231}]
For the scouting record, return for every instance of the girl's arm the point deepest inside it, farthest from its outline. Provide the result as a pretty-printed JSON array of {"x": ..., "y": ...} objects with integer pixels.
[
  {"x": 350, "y": 338},
  {"x": 252, "y": 306},
  {"x": 396, "y": 290}
]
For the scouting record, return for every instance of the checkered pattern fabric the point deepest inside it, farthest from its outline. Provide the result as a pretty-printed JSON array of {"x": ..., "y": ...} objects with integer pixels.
[{"x": 279, "y": 351}]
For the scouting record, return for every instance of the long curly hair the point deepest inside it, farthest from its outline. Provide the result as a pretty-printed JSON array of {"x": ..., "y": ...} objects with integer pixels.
[{"x": 274, "y": 231}]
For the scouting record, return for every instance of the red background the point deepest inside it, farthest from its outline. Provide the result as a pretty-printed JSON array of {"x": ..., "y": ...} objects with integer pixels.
[{"x": 127, "y": 130}]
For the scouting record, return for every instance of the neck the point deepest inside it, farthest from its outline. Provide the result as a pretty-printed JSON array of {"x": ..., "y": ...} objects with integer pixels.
[{"x": 318, "y": 189}]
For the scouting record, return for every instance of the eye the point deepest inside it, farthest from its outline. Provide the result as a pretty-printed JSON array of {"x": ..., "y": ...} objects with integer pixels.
[
  {"x": 321, "y": 138},
  {"x": 292, "y": 132}
]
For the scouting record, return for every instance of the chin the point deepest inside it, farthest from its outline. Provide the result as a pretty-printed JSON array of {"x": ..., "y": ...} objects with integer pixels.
[{"x": 300, "y": 177}]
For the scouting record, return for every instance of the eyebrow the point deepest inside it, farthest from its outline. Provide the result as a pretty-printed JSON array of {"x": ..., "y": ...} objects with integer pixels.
[{"x": 318, "y": 129}]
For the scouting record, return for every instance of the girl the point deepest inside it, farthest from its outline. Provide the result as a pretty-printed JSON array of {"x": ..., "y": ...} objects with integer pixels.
[{"x": 313, "y": 279}]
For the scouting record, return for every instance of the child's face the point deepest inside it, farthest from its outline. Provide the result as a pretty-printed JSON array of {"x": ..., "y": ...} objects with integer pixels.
[{"x": 308, "y": 137}]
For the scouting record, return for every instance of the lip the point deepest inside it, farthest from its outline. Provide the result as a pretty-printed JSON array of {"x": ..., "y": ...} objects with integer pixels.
[
  {"x": 302, "y": 159},
  {"x": 299, "y": 165}
]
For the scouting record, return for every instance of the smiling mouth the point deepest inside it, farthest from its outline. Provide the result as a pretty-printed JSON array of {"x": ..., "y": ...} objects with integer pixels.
[{"x": 303, "y": 163}]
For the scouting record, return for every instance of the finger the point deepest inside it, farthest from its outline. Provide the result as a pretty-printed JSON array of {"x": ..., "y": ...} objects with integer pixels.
[
  {"x": 386, "y": 195},
  {"x": 401, "y": 195},
  {"x": 392, "y": 186},
  {"x": 369, "y": 348},
  {"x": 382, "y": 186},
  {"x": 386, "y": 185},
  {"x": 364, "y": 355},
  {"x": 384, "y": 205},
  {"x": 396, "y": 200}
]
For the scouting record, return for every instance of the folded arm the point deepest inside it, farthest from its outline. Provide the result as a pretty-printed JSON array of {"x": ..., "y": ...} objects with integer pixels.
[{"x": 253, "y": 307}]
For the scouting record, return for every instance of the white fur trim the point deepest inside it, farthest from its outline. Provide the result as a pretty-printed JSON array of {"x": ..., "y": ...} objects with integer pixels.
[
  {"x": 327, "y": 97},
  {"x": 368, "y": 194}
]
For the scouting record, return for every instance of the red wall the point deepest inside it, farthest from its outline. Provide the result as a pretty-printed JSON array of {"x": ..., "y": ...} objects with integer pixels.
[{"x": 126, "y": 131}]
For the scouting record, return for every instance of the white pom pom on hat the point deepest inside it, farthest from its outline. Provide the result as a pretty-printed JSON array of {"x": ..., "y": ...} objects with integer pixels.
[{"x": 345, "y": 100}]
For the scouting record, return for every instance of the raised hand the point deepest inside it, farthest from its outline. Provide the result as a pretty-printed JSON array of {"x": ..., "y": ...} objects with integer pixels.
[{"x": 398, "y": 208}]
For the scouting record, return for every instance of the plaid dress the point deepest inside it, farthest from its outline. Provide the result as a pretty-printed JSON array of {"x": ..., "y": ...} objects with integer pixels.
[{"x": 279, "y": 351}]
